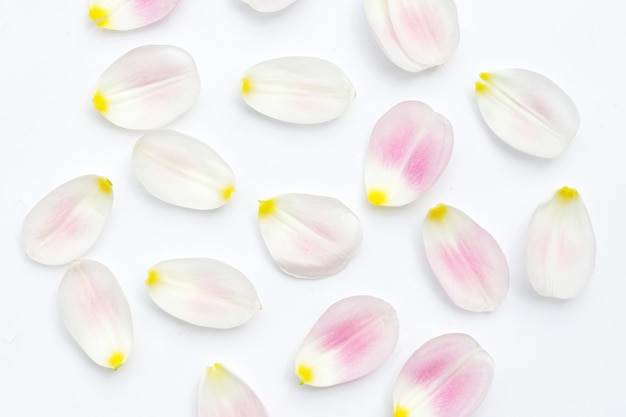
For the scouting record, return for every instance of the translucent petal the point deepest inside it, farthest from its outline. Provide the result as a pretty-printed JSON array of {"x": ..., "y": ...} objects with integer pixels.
[
  {"x": 350, "y": 340},
  {"x": 148, "y": 87},
  {"x": 528, "y": 111},
  {"x": 181, "y": 170},
  {"x": 448, "y": 376},
  {"x": 269, "y": 6},
  {"x": 409, "y": 148},
  {"x": 297, "y": 89},
  {"x": 128, "y": 14},
  {"x": 561, "y": 247},
  {"x": 204, "y": 292},
  {"x": 223, "y": 394},
  {"x": 466, "y": 259},
  {"x": 96, "y": 313},
  {"x": 68, "y": 221},
  {"x": 414, "y": 34},
  {"x": 309, "y": 236}
]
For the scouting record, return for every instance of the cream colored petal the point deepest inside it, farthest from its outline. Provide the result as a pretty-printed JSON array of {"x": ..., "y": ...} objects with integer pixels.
[
  {"x": 269, "y": 6},
  {"x": 128, "y": 14}
]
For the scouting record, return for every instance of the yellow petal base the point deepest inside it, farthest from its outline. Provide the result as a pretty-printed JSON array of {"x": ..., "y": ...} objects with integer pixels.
[
  {"x": 438, "y": 213},
  {"x": 305, "y": 374}
]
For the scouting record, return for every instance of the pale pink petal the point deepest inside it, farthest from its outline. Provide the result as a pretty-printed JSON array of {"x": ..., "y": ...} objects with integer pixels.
[
  {"x": 561, "y": 246},
  {"x": 96, "y": 313},
  {"x": 448, "y": 376},
  {"x": 67, "y": 221},
  {"x": 128, "y": 14},
  {"x": 350, "y": 340},
  {"x": 309, "y": 236},
  {"x": 269, "y": 6},
  {"x": 409, "y": 148},
  {"x": 466, "y": 259}
]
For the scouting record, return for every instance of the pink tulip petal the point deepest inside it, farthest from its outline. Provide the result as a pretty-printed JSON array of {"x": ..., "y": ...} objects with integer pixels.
[{"x": 128, "y": 14}]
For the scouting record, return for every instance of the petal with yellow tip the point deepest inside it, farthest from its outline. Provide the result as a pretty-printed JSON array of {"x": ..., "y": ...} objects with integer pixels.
[
  {"x": 298, "y": 89},
  {"x": 448, "y": 376},
  {"x": 96, "y": 314},
  {"x": 128, "y": 14},
  {"x": 527, "y": 111},
  {"x": 269, "y": 6},
  {"x": 182, "y": 170},
  {"x": 204, "y": 292},
  {"x": 67, "y": 222},
  {"x": 350, "y": 340},
  {"x": 309, "y": 236},
  {"x": 467, "y": 261},
  {"x": 148, "y": 87},
  {"x": 561, "y": 246},
  {"x": 409, "y": 149}
]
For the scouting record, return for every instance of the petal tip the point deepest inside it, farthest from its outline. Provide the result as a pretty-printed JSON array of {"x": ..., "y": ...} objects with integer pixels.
[
  {"x": 377, "y": 197},
  {"x": 437, "y": 213},
  {"x": 116, "y": 360}
]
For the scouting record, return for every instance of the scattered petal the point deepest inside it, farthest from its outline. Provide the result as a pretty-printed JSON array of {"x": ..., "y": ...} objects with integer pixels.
[
  {"x": 96, "y": 313},
  {"x": 414, "y": 34},
  {"x": 561, "y": 246},
  {"x": 269, "y": 6},
  {"x": 466, "y": 259},
  {"x": 528, "y": 111},
  {"x": 128, "y": 14},
  {"x": 223, "y": 394},
  {"x": 148, "y": 87},
  {"x": 181, "y": 170},
  {"x": 350, "y": 340},
  {"x": 297, "y": 89},
  {"x": 409, "y": 148},
  {"x": 309, "y": 236},
  {"x": 204, "y": 292},
  {"x": 448, "y": 376},
  {"x": 67, "y": 221}
]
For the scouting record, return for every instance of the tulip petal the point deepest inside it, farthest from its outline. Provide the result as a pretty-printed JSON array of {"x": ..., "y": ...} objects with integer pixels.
[
  {"x": 466, "y": 259},
  {"x": 96, "y": 313},
  {"x": 309, "y": 236},
  {"x": 148, "y": 87},
  {"x": 181, "y": 170},
  {"x": 223, "y": 394},
  {"x": 204, "y": 292},
  {"x": 128, "y": 14},
  {"x": 297, "y": 89},
  {"x": 67, "y": 221},
  {"x": 409, "y": 148},
  {"x": 561, "y": 246},
  {"x": 269, "y": 6},
  {"x": 350, "y": 340},
  {"x": 448, "y": 376},
  {"x": 527, "y": 111}
]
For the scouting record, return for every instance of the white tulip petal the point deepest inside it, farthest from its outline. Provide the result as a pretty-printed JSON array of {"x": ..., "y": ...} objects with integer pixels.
[
  {"x": 128, "y": 14},
  {"x": 67, "y": 221},
  {"x": 269, "y": 6},
  {"x": 204, "y": 292},
  {"x": 223, "y": 394},
  {"x": 466, "y": 259},
  {"x": 527, "y": 111},
  {"x": 561, "y": 246},
  {"x": 96, "y": 313},
  {"x": 449, "y": 376},
  {"x": 148, "y": 87},
  {"x": 350, "y": 340},
  {"x": 409, "y": 149},
  {"x": 309, "y": 236},
  {"x": 297, "y": 89},
  {"x": 181, "y": 170}
]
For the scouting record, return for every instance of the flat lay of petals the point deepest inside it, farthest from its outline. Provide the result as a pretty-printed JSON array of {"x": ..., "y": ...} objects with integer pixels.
[
  {"x": 224, "y": 394},
  {"x": 527, "y": 111},
  {"x": 301, "y": 90},
  {"x": 269, "y": 6},
  {"x": 448, "y": 376},
  {"x": 204, "y": 292},
  {"x": 181, "y": 170},
  {"x": 309, "y": 236},
  {"x": 96, "y": 313},
  {"x": 409, "y": 148},
  {"x": 561, "y": 246},
  {"x": 466, "y": 259},
  {"x": 64, "y": 224},
  {"x": 414, "y": 34},
  {"x": 128, "y": 14},
  {"x": 350, "y": 340},
  {"x": 148, "y": 87}
]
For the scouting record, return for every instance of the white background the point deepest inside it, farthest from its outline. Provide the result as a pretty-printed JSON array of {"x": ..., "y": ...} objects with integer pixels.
[{"x": 552, "y": 358}]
